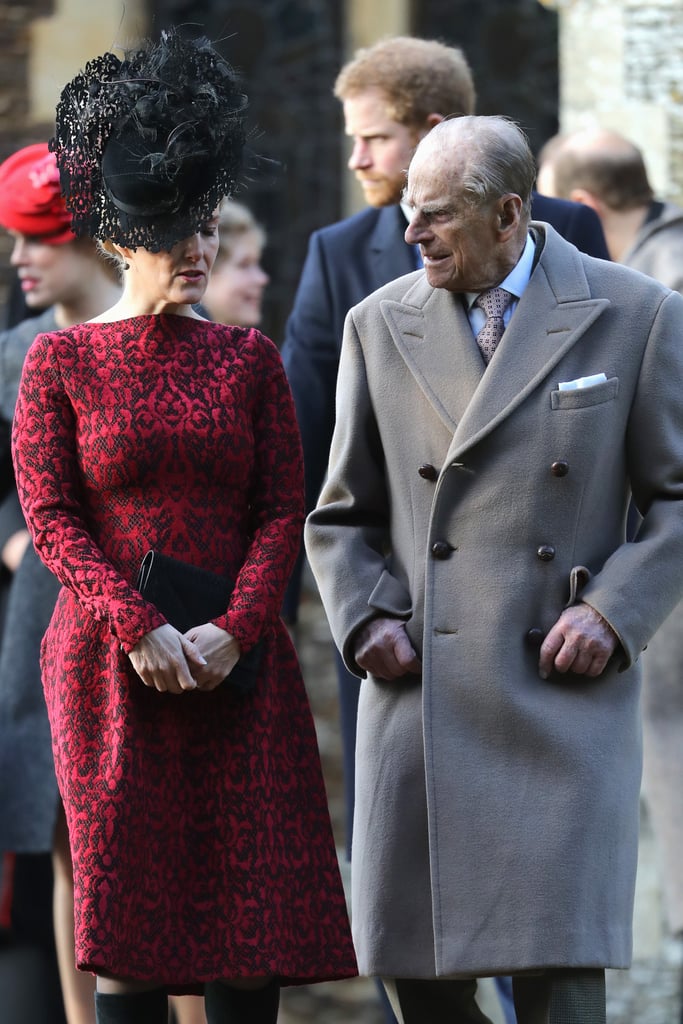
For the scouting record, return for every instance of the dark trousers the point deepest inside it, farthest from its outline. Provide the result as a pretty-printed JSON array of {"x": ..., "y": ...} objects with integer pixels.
[
  {"x": 29, "y": 979},
  {"x": 554, "y": 997}
]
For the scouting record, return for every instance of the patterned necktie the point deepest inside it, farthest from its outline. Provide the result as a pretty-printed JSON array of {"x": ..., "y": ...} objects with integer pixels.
[{"x": 494, "y": 302}]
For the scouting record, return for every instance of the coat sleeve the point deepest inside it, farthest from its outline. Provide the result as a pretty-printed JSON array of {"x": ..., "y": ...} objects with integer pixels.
[
  {"x": 585, "y": 231},
  {"x": 640, "y": 584},
  {"x": 6, "y": 471},
  {"x": 310, "y": 354},
  {"x": 6, "y": 412},
  {"x": 579, "y": 224},
  {"x": 11, "y": 518},
  {"x": 661, "y": 255},
  {"x": 347, "y": 535}
]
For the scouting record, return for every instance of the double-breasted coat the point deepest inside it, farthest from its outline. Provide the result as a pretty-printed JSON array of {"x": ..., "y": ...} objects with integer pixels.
[{"x": 496, "y": 822}]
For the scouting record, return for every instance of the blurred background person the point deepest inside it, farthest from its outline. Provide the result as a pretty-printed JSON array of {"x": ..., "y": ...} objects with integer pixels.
[
  {"x": 605, "y": 171},
  {"x": 68, "y": 280},
  {"x": 234, "y": 294}
]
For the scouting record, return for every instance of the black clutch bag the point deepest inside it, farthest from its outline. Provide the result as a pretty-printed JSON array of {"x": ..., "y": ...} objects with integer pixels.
[{"x": 188, "y": 596}]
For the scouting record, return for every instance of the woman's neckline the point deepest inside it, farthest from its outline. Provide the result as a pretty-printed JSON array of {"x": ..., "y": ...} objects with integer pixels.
[{"x": 98, "y": 321}]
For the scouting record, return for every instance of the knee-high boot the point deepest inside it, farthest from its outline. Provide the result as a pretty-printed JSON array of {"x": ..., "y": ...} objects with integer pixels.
[
  {"x": 150, "y": 1007},
  {"x": 227, "y": 1005}
]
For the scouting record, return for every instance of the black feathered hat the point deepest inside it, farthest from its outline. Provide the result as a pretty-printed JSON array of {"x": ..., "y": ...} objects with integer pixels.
[{"x": 147, "y": 146}]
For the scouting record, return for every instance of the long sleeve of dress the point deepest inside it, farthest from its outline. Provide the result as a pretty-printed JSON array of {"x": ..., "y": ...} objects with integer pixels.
[
  {"x": 276, "y": 508},
  {"x": 50, "y": 490}
]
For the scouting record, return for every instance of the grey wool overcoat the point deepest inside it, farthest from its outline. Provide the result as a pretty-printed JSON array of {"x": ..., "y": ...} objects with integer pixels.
[{"x": 496, "y": 821}]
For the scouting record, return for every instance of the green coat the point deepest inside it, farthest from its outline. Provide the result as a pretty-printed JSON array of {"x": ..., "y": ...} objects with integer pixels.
[{"x": 496, "y": 822}]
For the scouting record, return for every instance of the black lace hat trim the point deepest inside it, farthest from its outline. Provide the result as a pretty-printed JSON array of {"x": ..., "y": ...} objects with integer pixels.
[{"x": 147, "y": 146}]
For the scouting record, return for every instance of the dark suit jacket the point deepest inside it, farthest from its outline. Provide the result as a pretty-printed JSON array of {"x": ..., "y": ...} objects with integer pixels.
[
  {"x": 345, "y": 263},
  {"x": 574, "y": 221}
]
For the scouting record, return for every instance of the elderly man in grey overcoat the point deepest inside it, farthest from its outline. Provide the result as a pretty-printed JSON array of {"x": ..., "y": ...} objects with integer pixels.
[{"x": 496, "y": 412}]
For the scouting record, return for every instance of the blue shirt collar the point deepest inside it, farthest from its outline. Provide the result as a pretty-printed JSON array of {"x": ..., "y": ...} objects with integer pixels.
[{"x": 518, "y": 278}]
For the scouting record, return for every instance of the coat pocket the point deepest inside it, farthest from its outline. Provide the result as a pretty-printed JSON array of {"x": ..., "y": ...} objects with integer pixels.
[{"x": 584, "y": 398}]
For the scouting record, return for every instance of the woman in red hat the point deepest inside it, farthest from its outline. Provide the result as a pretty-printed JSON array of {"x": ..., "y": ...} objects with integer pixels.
[
  {"x": 65, "y": 281},
  {"x": 55, "y": 268}
]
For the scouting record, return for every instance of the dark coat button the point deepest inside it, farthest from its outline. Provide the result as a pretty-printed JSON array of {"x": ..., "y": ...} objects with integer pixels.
[
  {"x": 559, "y": 468},
  {"x": 535, "y": 637},
  {"x": 546, "y": 552},
  {"x": 428, "y": 472},
  {"x": 441, "y": 550}
]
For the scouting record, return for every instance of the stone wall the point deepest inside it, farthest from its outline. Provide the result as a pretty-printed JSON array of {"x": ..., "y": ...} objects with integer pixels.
[
  {"x": 621, "y": 66},
  {"x": 43, "y": 43},
  {"x": 15, "y": 36}
]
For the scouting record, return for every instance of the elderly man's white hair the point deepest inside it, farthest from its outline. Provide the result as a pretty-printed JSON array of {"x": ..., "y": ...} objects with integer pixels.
[{"x": 498, "y": 156}]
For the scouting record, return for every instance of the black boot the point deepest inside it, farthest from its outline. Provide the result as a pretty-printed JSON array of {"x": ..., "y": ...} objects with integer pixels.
[
  {"x": 227, "y": 1005},
  {"x": 150, "y": 1007}
]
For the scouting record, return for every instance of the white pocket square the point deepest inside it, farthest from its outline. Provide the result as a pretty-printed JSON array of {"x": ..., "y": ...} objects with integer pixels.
[{"x": 582, "y": 382}]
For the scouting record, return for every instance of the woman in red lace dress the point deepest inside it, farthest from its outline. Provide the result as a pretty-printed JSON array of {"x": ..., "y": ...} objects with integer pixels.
[{"x": 202, "y": 848}]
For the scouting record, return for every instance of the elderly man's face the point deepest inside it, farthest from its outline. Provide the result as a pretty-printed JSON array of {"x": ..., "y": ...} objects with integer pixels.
[{"x": 459, "y": 242}]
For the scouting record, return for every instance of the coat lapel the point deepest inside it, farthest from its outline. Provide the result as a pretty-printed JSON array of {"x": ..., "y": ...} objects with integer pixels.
[
  {"x": 431, "y": 330},
  {"x": 538, "y": 336}
]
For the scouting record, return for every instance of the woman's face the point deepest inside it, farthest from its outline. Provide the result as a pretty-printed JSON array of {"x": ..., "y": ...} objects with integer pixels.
[
  {"x": 235, "y": 291},
  {"x": 50, "y": 274},
  {"x": 166, "y": 280}
]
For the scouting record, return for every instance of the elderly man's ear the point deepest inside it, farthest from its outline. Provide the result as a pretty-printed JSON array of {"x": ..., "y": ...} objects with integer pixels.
[{"x": 509, "y": 212}]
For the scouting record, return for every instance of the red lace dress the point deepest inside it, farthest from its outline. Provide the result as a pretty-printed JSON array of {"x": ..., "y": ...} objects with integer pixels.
[{"x": 199, "y": 827}]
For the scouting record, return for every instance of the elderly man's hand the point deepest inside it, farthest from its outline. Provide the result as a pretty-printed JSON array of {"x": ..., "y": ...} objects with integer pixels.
[
  {"x": 581, "y": 641},
  {"x": 384, "y": 650}
]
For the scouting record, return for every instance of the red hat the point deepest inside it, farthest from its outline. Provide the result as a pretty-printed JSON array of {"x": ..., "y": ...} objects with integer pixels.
[{"x": 30, "y": 199}]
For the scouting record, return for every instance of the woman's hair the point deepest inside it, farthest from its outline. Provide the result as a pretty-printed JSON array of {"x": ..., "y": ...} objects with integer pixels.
[
  {"x": 235, "y": 221},
  {"x": 418, "y": 77},
  {"x": 111, "y": 258},
  {"x": 148, "y": 146}
]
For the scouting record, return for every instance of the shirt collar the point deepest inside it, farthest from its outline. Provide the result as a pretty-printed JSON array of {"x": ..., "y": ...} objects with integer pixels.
[
  {"x": 518, "y": 278},
  {"x": 407, "y": 211}
]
